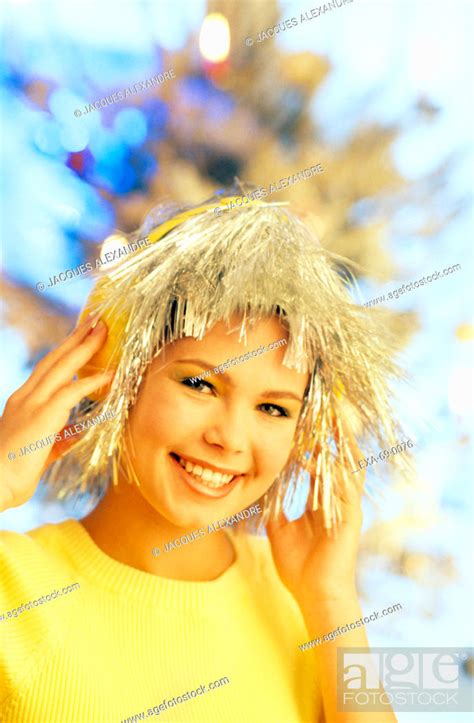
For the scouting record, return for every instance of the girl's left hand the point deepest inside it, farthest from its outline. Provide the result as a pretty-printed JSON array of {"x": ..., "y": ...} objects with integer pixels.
[{"x": 317, "y": 566}]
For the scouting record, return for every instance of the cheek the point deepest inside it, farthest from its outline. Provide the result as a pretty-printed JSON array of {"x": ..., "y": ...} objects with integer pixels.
[
  {"x": 274, "y": 449},
  {"x": 160, "y": 416}
]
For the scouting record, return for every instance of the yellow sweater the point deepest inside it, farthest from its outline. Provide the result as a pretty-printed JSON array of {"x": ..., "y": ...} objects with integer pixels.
[{"x": 112, "y": 644}]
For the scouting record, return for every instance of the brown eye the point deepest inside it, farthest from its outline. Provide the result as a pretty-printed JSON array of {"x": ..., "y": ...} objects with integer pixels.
[
  {"x": 195, "y": 383},
  {"x": 280, "y": 411}
]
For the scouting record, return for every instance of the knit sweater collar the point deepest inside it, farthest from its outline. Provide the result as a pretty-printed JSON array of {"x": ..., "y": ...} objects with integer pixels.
[{"x": 93, "y": 565}]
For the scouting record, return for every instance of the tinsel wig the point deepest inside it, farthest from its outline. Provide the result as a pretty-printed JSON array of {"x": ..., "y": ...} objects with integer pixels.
[{"x": 256, "y": 259}]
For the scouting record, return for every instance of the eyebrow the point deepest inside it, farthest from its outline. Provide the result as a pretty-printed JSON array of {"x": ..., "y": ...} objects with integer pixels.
[
  {"x": 281, "y": 395},
  {"x": 267, "y": 393}
]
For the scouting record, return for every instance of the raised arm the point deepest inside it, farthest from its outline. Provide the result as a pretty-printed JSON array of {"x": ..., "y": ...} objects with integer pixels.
[
  {"x": 40, "y": 408},
  {"x": 319, "y": 571}
]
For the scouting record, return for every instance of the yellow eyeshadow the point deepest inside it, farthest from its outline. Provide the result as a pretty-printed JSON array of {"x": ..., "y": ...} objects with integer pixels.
[{"x": 182, "y": 371}]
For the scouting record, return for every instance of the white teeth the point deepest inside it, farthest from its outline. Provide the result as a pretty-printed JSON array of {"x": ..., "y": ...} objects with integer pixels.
[{"x": 206, "y": 475}]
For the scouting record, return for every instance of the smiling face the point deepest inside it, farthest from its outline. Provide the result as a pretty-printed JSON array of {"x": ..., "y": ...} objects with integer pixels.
[{"x": 206, "y": 449}]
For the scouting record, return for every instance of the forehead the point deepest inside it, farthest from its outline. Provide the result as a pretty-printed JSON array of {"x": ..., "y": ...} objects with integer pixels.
[
  {"x": 221, "y": 343},
  {"x": 227, "y": 336}
]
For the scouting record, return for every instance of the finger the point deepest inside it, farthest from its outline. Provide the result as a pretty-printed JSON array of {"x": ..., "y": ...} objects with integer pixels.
[
  {"x": 312, "y": 521},
  {"x": 350, "y": 493},
  {"x": 314, "y": 470},
  {"x": 58, "y": 450},
  {"x": 343, "y": 431},
  {"x": 53, "y": 416},
  {"x": 49, "y": 360},
  {"x": 62, "y": 446},
  {"x": 64, "y": 369},
  {"x": 349, "y": 490},
  {"x": 69, "y": 396},
  {"x": 317, "y": 511},
  {"x": 276, "y": 523}
]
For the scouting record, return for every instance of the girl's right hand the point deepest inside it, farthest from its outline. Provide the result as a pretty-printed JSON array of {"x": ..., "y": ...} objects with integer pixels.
[{"x": 41, "y": 408}]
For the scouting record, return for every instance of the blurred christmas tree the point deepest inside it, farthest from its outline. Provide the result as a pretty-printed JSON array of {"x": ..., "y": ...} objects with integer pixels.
[{"x": 245, "y": 112}]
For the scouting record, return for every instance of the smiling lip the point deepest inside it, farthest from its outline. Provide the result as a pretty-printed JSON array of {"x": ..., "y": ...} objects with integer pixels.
[
  {"x": 200, "y": 487},
  {"x": 206, "y": 465}
]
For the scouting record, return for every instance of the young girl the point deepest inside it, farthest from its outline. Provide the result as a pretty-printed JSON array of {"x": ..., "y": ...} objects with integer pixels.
[{"x": 221, "y": 377}]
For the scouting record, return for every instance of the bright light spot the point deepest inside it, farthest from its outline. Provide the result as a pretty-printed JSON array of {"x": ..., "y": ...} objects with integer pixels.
[
  {"x": 62, "y": 104},
  {"x": 465, "y": 332},
  {"x": 112, "y": 243},
  {"x": 460, "y": 391},
  {"x": 74, "y": 138},
  {"x": 46, "y": 135},
  {"x": 214, "y": 39}
]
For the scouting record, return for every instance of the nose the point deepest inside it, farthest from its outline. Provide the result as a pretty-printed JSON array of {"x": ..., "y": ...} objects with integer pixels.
[{"x": 229, "y": 429}]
